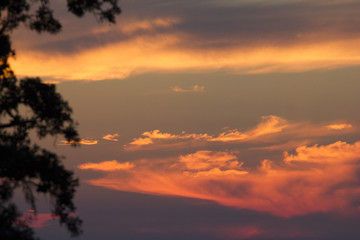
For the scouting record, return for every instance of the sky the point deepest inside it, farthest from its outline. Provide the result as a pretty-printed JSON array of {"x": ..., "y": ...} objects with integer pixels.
[{"x": 208, "y": 119}]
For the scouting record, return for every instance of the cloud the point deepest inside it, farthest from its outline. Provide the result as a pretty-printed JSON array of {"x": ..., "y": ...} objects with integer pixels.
[
  {"x": 211, "y": 163},
  {"x": 82, "y": 142},
  {"x": 138, "y": 142},
  {"x": 243, "y": 37},
  {"x": 209, "y": 159},
  {"x": 51, "y": 82},
  {"x": 339, "y": 126},
  {"x": 107, "y": 166},
  {"x": 167, "y": 53},
  {"x": 156, "y": 134},
  {"x": 336, "y": 153},
  {"x": 38, "y": 220},
  {"x": 196, "y": 88},
  {"x": 288, "y": 145},
  {"x": 269, "y": 125},
  {"x": 275, "y": 132},
  {"x": 42, "y": 219},
  {"x": 318, "y": 178},
  {"x": 134, "y": 25},
  {"x": 149, "y": 25},
  {"x": 111, "y": 137},
  {"x": 157, "y": 139}
]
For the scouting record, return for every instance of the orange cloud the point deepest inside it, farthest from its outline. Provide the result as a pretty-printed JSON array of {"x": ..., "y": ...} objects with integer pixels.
[
  {"x": 217, "y": 172},
  {"x": 313, "y": 179},
  {"x": 209, "y": 159},
  {"x": 148, "y": 25},
  {"x": 140, "y": 142},
  {"x": 270, "y": 124},
  {"x": 157, "y": 138},
  {"x": 156, "y": 134},
  {"x": 339, "y": 126},
  {"x": 111, "y": 137},
  {"x": 196, "y": 88},
  {"x": 174, "y": 52},
  {"x": 336, "y": 153},
  {"x": 51, "y": 82},
  {"x": 107, "y": 166},
  {"x": 274, "y": 131},
  {"x": 289, "y": 145},
  {"x": 82, "y": 142}
]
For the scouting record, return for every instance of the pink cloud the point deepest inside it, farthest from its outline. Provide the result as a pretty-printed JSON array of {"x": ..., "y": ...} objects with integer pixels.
[
  {"x": 37, "y": 220},
  {"x": 313, "y": 179}
]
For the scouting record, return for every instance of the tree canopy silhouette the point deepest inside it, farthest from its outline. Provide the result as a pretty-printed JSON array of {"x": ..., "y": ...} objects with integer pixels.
[{"x": 29, "y": 106}]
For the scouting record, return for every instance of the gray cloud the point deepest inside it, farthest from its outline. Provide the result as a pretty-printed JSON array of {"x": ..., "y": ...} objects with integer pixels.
[{"x": 212, "y": 24}]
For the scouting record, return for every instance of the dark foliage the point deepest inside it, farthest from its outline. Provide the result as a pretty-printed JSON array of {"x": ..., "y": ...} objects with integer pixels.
[{"x": 30, "y": 106}]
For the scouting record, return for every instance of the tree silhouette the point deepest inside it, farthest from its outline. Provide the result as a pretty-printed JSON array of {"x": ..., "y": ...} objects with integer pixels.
[{"x": 29, "y": 106}]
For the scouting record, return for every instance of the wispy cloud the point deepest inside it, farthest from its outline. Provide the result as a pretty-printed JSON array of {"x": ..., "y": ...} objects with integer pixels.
[
  {"x": 339, "y": 126},
  {"x": 149, "y": 24},
  {"x": 51, "y": 82},
  {"x": 38, "y": 220},
  {"x": 101, "y": 63},
  {"x": 82, "y": 142},
  {"x": 196, "y": 88},
  {"x": 132, "y": 26},
  {"x": 269, "y": 125},
  {"x": 42, "y": 219},
  {"x": 274, "y": 130},
  {"x": 107, "y": 166},
  {"x": 158, "y": 139},
  {"x": 111, "y": 137}
]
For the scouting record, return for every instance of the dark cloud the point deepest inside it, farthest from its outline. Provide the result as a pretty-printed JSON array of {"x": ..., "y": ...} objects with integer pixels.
[{"x": 216, "y": 24}]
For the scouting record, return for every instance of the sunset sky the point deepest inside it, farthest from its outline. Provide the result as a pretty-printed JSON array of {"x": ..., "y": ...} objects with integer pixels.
[{"x": 208, "y": 119}]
